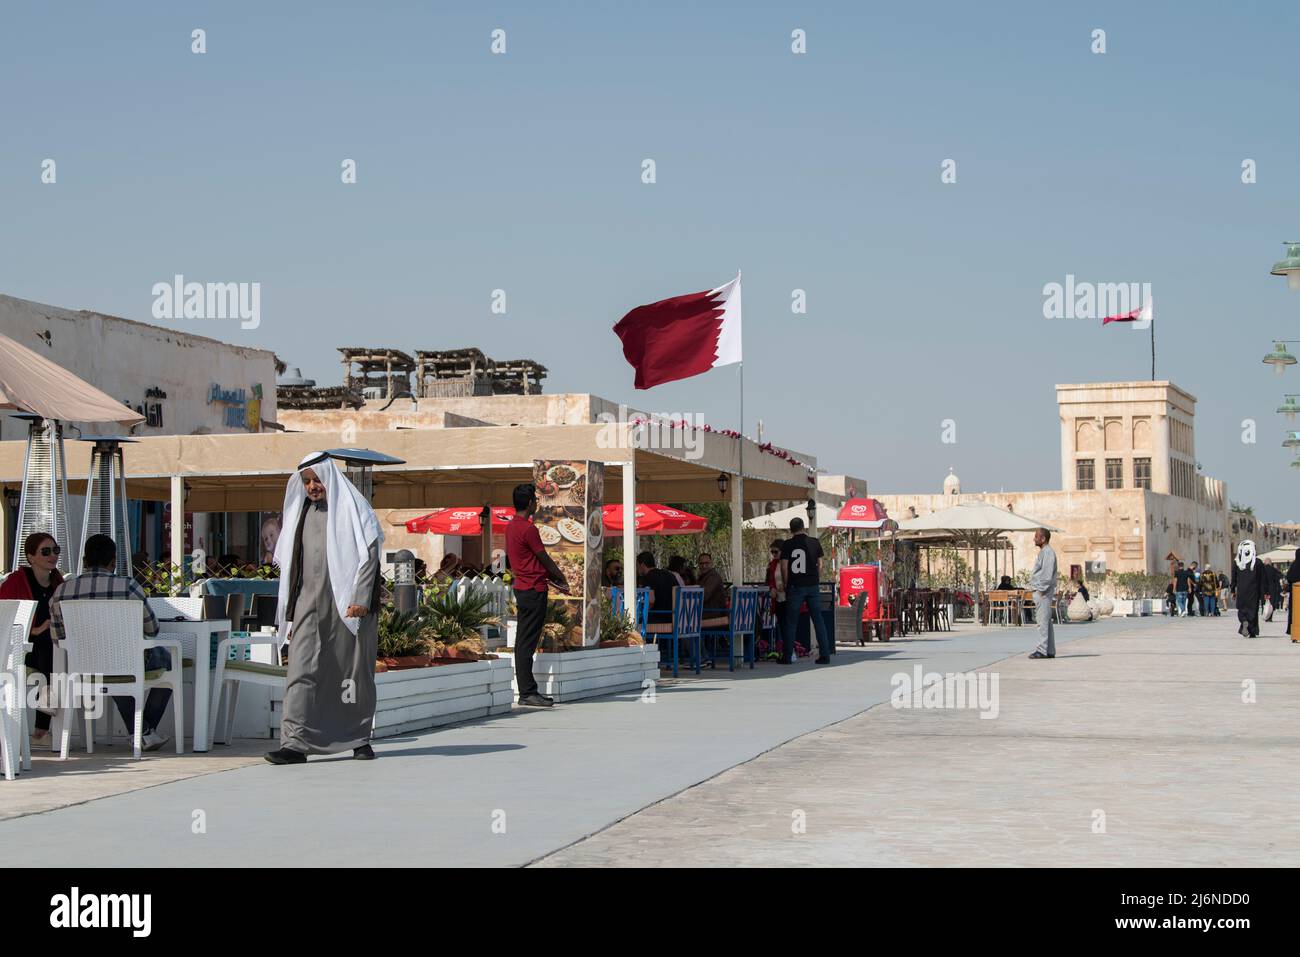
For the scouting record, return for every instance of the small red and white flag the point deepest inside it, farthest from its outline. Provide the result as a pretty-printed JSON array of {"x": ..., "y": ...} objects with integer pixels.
[
  {"x": 1141, "y": 314},
  {"x": 684, "y": 336}
]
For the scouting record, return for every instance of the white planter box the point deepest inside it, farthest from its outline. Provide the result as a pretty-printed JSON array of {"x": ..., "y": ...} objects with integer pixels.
[
  {"x": 420, "y": 698},
  {"x": 571, "y": 675},
  {"x": 1134, "y": 607}
]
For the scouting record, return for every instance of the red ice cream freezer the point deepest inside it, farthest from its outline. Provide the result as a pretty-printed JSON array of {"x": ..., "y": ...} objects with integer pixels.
[{"x": 855, "y": 579}]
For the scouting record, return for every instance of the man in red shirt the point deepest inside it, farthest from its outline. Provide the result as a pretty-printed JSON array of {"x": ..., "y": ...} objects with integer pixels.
[{"x": 533, "y": 570}]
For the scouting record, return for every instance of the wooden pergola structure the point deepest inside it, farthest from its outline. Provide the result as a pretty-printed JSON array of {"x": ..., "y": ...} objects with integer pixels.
[
  {"x": 364, "y": 366},
  {"x": 457, "y": 372}
]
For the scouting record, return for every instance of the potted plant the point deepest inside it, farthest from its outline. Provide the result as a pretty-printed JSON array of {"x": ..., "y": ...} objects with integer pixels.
[
  {"x": 558, "y": 629},
  {"x": 401, "y": 643},
  {"x": 452, "y": 621},
  {"x": 615, "y": 630}
]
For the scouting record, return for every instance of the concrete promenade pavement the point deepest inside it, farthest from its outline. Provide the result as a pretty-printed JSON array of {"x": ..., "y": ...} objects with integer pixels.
[
  {"x": 514, "y": 789},
  {"x": 1144, "y": 732}
]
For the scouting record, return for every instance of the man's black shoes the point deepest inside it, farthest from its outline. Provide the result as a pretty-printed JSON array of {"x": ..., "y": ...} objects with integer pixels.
[
  {"x": 286, "y": 756},
  {"x": 823, "y": 660},
  {"x": 535, "y": 701},
  {"x": 1039, "y": 654},
  {"x": 364, "y": 753}
]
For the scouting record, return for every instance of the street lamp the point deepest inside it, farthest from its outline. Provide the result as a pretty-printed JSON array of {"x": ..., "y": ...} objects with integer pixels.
[
  {"x": 1289, "y": 267},
  {"x": 1291, "y": 441},
  {"x": 1289, "y": 408},
  {"x": 1279, "y": 358}
]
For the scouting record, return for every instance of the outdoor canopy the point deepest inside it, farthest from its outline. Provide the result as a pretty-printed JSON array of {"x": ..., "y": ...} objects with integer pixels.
[
  {"x": 978, "y": 524},
  {"x": 32, "y": 383}
]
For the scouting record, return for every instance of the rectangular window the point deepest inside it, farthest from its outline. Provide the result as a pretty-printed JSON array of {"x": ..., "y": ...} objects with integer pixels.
[
  {"x": 1085, "y": 480},
  {"x": 1114, "y": 473},
  {"x": 1141, "y": 473}
]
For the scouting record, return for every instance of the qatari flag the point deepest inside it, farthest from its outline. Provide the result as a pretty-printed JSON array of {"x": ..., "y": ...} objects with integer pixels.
[
  {"x": 683, "y": 336},
  {"x": 1142, "y": 314}
]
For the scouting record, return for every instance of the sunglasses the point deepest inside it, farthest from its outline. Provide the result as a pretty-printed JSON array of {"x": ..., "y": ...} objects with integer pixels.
[{"x": 47, "y": 551}]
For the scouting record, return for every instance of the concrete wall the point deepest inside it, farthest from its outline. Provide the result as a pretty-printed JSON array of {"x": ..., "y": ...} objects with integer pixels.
[{"x": 126, "y": 359}]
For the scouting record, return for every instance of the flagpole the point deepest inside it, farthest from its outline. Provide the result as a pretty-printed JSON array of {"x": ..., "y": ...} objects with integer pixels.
[{"x": 1153, "y": 349}]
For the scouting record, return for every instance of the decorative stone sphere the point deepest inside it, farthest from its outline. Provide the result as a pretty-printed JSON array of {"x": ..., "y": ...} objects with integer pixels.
[
  {"x": 1106, "y": 606},
  {"x": 1079, "y": 610}
]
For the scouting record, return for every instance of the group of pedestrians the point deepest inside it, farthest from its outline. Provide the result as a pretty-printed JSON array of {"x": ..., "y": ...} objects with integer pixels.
[{"x": 1196, "y": 591}]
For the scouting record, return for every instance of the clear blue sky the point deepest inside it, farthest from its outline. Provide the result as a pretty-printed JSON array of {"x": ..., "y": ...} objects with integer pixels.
[{"x": 818, "y": 172}]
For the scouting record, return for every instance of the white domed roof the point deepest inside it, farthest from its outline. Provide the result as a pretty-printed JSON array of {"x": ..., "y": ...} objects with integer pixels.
[{"x": 951, "y": 484}]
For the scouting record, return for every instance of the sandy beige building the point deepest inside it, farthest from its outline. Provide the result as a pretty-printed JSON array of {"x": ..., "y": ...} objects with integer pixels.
[{"x": 1130, "y": 491}]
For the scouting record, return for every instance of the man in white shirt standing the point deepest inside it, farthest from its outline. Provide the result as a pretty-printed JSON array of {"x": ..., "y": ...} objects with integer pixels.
[{"x": 1043, "y": 584}]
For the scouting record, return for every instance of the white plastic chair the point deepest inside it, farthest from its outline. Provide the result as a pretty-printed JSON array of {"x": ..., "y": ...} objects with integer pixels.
[
  {"x": 233, "y": 669},
  {"x": 105, "y": 645},
  {"x": 15, "y": 665},
  {"x": 12, "y": 713}
]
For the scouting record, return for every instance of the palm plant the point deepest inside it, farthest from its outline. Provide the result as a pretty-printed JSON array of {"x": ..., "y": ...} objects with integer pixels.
[
  {"x": 456, "y": 615},
  {"x": 400, "y": 633}
]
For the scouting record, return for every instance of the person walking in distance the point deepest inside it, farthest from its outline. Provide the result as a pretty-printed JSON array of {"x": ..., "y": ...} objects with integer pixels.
[
  {"x": 1042, "y": 582},
  {"x": 1182, "y": 585},
  {"x": 1272, "y": 588},
  {"x": 801, "y": 562},
  {"x": 1292, "y": 576},
  {"x": 1247, "y": 588},
  {"x": 533, "y": 570}
]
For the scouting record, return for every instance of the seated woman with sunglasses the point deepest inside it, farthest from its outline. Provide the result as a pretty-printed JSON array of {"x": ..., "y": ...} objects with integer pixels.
[{"x": 36, "y": 581}]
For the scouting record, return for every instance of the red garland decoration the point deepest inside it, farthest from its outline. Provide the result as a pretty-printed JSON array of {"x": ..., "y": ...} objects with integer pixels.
[{"x": 767, "y": 447}]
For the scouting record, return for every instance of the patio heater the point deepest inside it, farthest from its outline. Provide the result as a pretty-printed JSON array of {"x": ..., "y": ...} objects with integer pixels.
[
  {"x": 43, "y": 506},
  {"x": 358, "y": 466},
  {"x": 106, "y": 502}
]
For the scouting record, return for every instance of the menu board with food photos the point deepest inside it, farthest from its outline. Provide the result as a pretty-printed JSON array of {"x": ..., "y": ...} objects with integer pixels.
[{"x": 570, "y": 513}]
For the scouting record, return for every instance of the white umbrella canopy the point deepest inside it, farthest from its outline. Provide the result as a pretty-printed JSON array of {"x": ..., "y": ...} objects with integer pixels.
[
  {"x": 972, "y": 518},
  {"x": 976, "y": 523},
  {"x": 32, "y": 383},
  {"x": 780, "y": 521},
  {"x": 1283, "y": 553}
]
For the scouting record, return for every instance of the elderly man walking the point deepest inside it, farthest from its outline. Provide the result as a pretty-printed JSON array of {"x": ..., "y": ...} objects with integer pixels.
[{"x": 1043, "y": 584}]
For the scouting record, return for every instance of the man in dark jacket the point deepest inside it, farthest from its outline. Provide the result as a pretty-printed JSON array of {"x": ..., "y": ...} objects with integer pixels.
[
  {"x": 1292, "y": 576},
  {"x": 1272, "y": 587}
]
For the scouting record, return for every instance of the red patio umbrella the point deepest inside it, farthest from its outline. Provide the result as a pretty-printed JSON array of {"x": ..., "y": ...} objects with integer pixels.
[
  {"x": 861, "y": 513},
  {"x": 459, "y": 521},
  {"x": 656, "y": 520}
]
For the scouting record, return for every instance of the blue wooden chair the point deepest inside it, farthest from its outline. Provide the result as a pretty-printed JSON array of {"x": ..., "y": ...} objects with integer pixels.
[
  {"x": 741, "y": 619},
  {"x": 688, "y": 615},
  {"x": 642, "y": 607}
]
